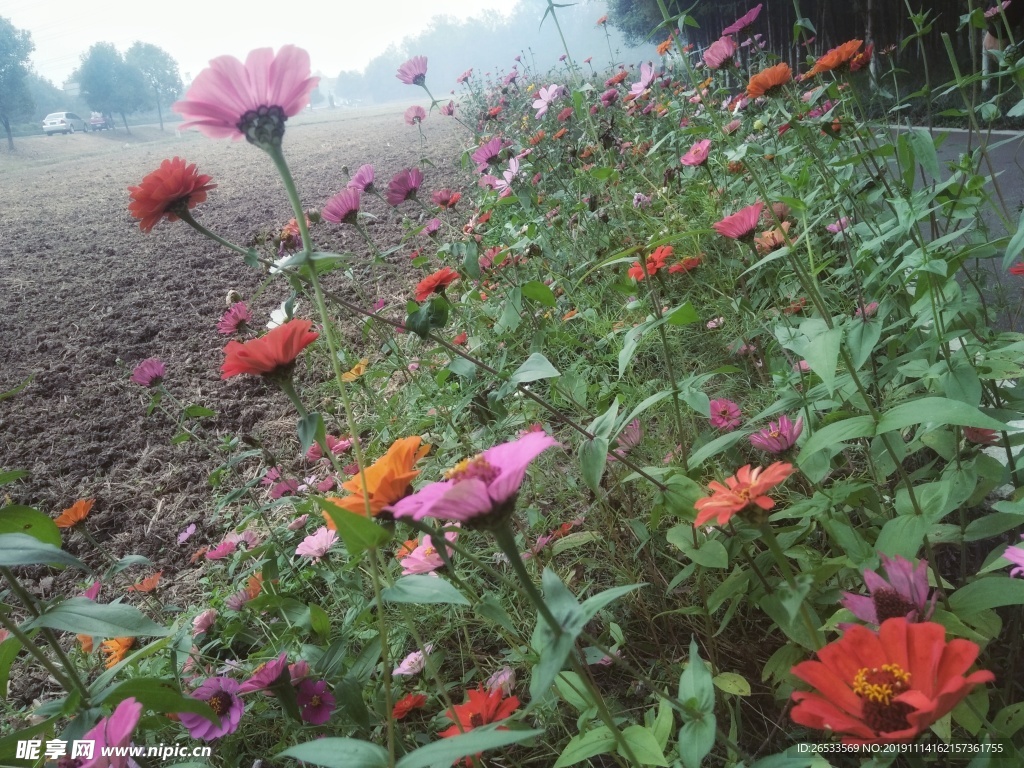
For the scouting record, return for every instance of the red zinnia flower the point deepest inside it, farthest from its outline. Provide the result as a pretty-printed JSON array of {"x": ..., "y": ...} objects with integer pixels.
[
  {"x": 271, "y": 353},
  {"x": 446, "y": 198},
  {"x": 741, "y": 225},
  {"x": 886, "y": 688},
  {"x": 406, "y": 705},
  {"x": 1017, "y": 269},
  {"x": 655, "y": 262},
  {"x": 690, "y": 262},
  {"x": 482, "y": 708},
  {"x": 617, "y": 78},
  {"x": 168, "y": 192},
  {"x": 747, "y": 487},
  {"x": 835, "y": 58},
  {"x": 435, "y": 282}
]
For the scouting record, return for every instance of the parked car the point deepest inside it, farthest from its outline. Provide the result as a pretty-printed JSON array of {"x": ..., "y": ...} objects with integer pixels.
[
  {"x": 99, "y": 123},
  {"x": 63, "y": 122}
]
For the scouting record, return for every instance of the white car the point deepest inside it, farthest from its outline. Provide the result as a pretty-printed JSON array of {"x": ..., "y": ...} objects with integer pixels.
[{"x": 63, "y": 122}]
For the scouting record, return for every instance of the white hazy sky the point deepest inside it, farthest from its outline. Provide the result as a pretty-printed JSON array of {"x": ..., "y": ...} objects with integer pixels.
[{"x": 339, "y": 34}]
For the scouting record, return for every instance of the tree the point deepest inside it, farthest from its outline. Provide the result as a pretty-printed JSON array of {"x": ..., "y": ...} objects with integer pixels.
[
  {"x": 161, "y": 73},
  {"x": 15, "y": 100},
  {"x": 110, "y": 84}
]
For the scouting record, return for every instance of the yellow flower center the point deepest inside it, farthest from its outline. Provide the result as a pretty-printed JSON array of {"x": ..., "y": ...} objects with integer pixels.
[
  {"x": 881, "y": 685},
  {"x": 477, "y": 467}
]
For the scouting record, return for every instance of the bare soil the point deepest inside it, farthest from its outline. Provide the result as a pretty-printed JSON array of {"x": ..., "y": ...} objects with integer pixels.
[{"x": 85, "y": 296}]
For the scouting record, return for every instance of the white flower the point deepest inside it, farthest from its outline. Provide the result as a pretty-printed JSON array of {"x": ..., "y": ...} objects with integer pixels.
[{"x": 281, "y": 315}]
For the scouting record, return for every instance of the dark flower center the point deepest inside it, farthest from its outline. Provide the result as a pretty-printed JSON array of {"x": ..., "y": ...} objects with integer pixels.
[
  {"x": 419, "y": 79},
  {"x": 476, "y": 720},
  {"x": 314, "y": 702},
  {"x": 878, "y": 687},
  {"x": 220, "y": 702},
  {"x": 890, "y": 604},
  {"x": 263, "y": 126}
]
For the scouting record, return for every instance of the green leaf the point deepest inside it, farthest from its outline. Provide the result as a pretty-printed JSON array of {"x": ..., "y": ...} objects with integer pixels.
[
  {"x": 574, "y": 691},
  {"x": 822, "y": 352},
  {"x": 319, "y": 621},
  {"x": 732, "y": 683},
  {"x": 696, "y": 740},
  {"x": 861, "y": 338},
  {"x": 22, "y": 549},
  {"x": 695, "y": 686},
  {"x": 199, "y": 412},
  {"x": 710, "y": 554},
  {"x": 936, "y": 410},
  {"x": 158, "y": 695},
  {"x": 11, "y": 475},
  {"x": 992, "y": 591},
  {"x": 684, "y": 314},
  {"x": 596, "y": 602},
  {"x": 359, "y": 533},
  {"x": 715, "y": 447},
  {"x": 923, "y": 147},
  {"x": 447, "y": 751},
  {"x": 430, "y": 316},
  {"x": 311, "y": 430},
  {"x": 19, "y": 519},
  {"x": 643, "y": 745},
  {"x": 536, "y": 367},
  {"x": 1016, "y": 244},
  {"x": 84, "y": 617},
  {"x": 540, "y": 293},
  {"x": 597, "y": 741},
  {"x": 593, "y": 458},
  {"x": 604, "y": 424},
  {"x": 629, "y": 345},
  {"x": 339, "y": 753},
  {"x": 420, "y": 589},
  {"x": 9, "y": 649},
  {"x": 554, "y": 647},
  {"x": 902, "y": 536},
  {"x": 833, "y": 434}
]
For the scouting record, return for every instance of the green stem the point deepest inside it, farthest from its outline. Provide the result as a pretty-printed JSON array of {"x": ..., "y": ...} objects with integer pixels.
[
  {"x": 780, "y": 557},
  {"x": 186, "y": 216}
]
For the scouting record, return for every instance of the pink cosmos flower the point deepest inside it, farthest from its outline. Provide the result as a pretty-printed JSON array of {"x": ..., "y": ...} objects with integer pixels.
[
  {"x": 221, "y": 693},
  {"x": 343, "y": 208},
  {"x": 424, "y": 558},
  {"x": 504, "y": 184},
  {"x": 298, "y": 523},
  {"x": 203, "y": 621},
  {"x": 697, "y": 154},
  {"x": 839, "y": 225},
  {"x": 404, "y": 186},
  {"x": 265, "y": 675},
  {"x": 336, "y": 445},
  {"x": 725, "y": 414},
  {"x": 362, "y": 179},
  {"x": 779, "y": 435},
  {"x": 720, "y": 52},
  {"x": 93, "y": 591},
  {"x": 1016, "y": 556},
  {"x": 247, "y": 537},
  {"x": 316, "y": 703},
  {"x": 741, "y": 225},
  {"x": 415, "y": 114},
  {"x": 904, "y": 593},
  {"x": 298, "y": 671},
  {"x": 479, "y": 488},
  {"x": 316, "y": 544},
  {"x": 235, "y": 319},
  {"x": 487, "y": 154},
  {"x": 113, "y": 731},
  {"x": 504, "y": 680},
  {"x": 251, "y": 100},
  {"x": 149, "y": 373},
  {"x": 646, "y": 78},
  {"x": 414, "y": 71},
  {"x": 743, "y": 21},
  {"x": 413, "y": 663},
  {"x": 547, "y": 96}
]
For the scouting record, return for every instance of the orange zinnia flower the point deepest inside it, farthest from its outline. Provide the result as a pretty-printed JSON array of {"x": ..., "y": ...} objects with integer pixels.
[
  {"x": 559, "y": 133},
  {"x": 435, "y": 283},
  {"x": 664, "y": 46},
  {"x": 168, "y": 193},
  {"x": 254, "y": 586},
  {"x": 357, "y": 370},
  {"x": 887, "y": 688},
  {"x": 148, "y": 584},
  {"x": 835, "y": 58},
  {"x": 75, "y": 514},
  {"x": 86, "y": 642},
  {"x": 407, "y": 548},
  {"x": 742, "y": 491},
  {"x": 116, "y": 649},
  {"x": 602, "y": 21},
  {"x": 617, "y": 78},
  {"x": 537, "y": 138},
  {"x": 387, "y": 480},
  {"x": 768, "y": 81},
  {"x": 272, "y": 354}
]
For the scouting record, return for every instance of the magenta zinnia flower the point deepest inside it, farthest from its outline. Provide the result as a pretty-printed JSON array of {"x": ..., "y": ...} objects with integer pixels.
[
  {"x": 316, "y": 544},
  {"x": 414, "y": 71},
  {"x": 478, "y": 489},
  {"x": 114, "y": 731},
  {"x": 741, "y": 225},
  {"x": 448, "y": 110},
  {"x": 415, "y": 114},
  {"x": 343, "y": 208},
  {"x": 609, "y": 97},
  {"x": 743, "y": 21},
  {"x": 720, "y": 52},
  {"x": 149, "y": 373},
  {"x": 404, "y": 186},
  {"x": 779, "y": 435},
  {"x": 316, "y": 704},
  {"x": 265, "y": 675},
  {"x": 1016, "y": 556},
  {"x": 336, "y": 445},
  {"x": 487, "y": 154},
  {"x": 904, "y": 593},
  {"x": 251, "y": 100},
  {"x": 697, "y": 154},
  {"x": 235, "y": 319},
  {"x": 221, "y": 693},
  {"x": 362, "y": 179},
  {"x": 725, "y": 414}
]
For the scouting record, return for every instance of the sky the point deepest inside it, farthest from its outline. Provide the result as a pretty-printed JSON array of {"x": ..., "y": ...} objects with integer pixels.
[{"x": 339, "y": 34}]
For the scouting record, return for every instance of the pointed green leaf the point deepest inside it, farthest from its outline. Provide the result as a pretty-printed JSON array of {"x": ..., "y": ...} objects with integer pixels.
[
  {"x": 421, "y": 589},
  {"x": 18, "y": 519},
  {"x": 22, "y": 549},
  {"x": 339, "y": 753},
  {"x": 85, "y": 617},
  {"x": 447, "y": 751}
]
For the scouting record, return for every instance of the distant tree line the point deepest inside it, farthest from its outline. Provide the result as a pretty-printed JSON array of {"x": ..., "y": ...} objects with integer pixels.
[{"x": 111, "y": 83}]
